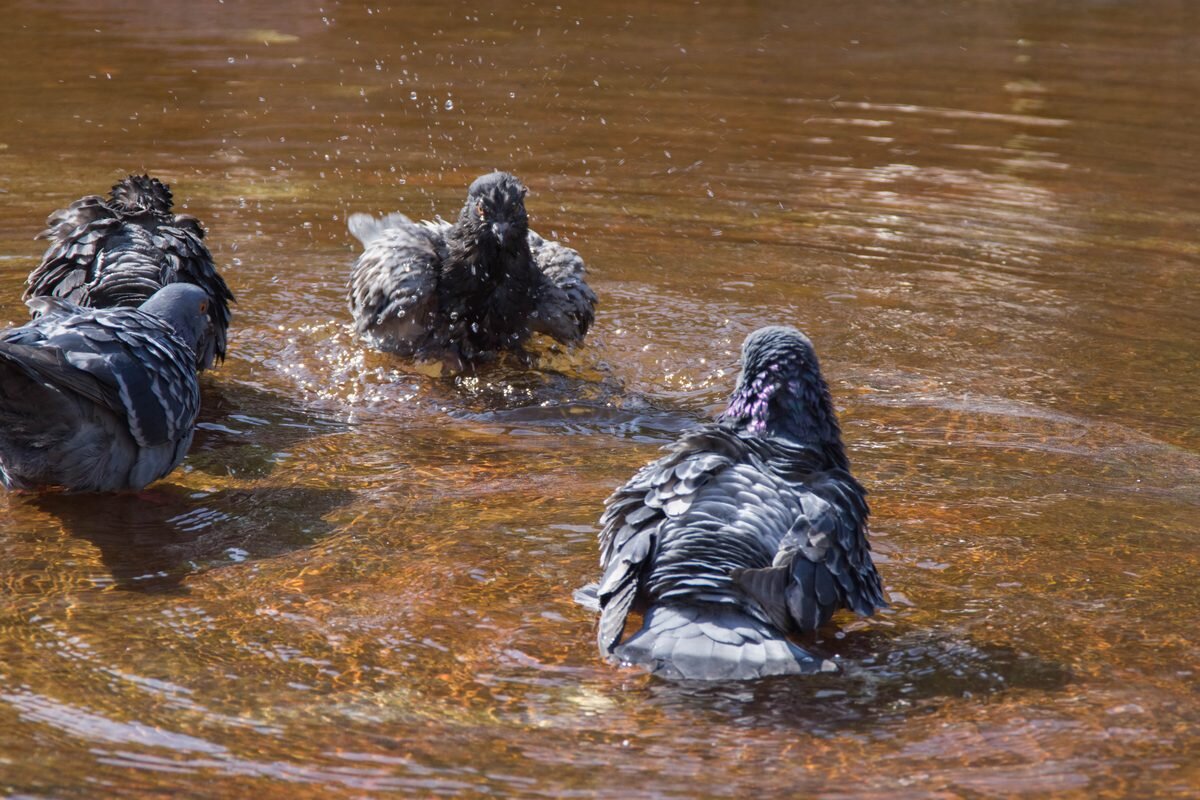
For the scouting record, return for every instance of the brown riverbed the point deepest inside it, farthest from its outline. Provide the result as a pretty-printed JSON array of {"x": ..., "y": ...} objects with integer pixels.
[{"x": 359, "y": 583}]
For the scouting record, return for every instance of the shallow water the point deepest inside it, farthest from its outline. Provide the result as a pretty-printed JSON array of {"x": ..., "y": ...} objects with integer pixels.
[{"x": 359, "y": 583}]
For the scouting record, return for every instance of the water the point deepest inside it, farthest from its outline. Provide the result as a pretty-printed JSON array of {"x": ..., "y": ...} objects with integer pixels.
[{"x": 359, "y": 583}]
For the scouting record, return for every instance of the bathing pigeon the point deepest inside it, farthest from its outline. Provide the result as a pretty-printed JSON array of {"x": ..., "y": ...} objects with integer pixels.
[
  {"x": 100, "y": 400},
  {"x": 119, "y": 251},
  {"x": 751, "y": 529},
  {"x": 465, "y": 290}
]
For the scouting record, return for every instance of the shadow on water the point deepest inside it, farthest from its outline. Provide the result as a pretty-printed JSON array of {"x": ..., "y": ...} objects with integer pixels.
[
  {"x": 636, "y": 419},
  {"x": 152, "y": 541},
  {"x": 882, "y": 678},
  {"x": 247, "y": 431}
]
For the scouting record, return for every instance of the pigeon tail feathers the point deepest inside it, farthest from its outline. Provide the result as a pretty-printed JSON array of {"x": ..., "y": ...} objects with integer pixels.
[
  {"x": 367, "y": 229},
  {"x": 713, "y": 642}
]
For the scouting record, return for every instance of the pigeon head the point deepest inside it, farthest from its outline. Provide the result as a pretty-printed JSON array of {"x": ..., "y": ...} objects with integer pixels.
[
  {"x": 140, "y": 193},
  {"x": 781, "y": 392},
  {"x": 496, "y": 207},
  {"x": 183, "y": 306}
]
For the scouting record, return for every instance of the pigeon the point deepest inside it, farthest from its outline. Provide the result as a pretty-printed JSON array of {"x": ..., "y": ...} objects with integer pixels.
[
  {"x": 119, "y": 251},
  {"x": 461, "y": 292},
  {"x": 101, "y": 399},
  {"x": 749, "y": 531}
]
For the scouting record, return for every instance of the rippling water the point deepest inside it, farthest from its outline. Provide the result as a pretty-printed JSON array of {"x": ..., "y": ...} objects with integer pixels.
[{"x": 359, "y": 583}]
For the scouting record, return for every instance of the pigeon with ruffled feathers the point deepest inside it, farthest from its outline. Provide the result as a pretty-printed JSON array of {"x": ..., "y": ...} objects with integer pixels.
[
  {"x": 101, "y": 400},
  {"x": 749, "y": 531},
  {"x": 105, "y": 253},
  {"x": 466, "y": 290}
]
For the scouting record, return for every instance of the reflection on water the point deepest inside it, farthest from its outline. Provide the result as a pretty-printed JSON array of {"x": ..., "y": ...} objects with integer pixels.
[{"x": 359, "y": 583}]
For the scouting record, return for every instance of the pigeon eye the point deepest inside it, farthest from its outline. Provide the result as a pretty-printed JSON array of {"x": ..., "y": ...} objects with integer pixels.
[
  {"x": 480, "y": 211},
  {"x": 204, "y": 307}
]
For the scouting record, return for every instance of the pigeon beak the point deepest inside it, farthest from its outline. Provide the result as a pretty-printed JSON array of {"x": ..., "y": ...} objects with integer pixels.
[{"x": 500, "y": 230}]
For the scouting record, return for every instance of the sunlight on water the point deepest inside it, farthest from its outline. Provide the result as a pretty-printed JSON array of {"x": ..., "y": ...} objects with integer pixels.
[{"x": 360, "y": 581}]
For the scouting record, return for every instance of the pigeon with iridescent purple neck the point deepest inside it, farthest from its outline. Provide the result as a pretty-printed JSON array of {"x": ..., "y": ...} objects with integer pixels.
[{"x": 751, "y": 530}]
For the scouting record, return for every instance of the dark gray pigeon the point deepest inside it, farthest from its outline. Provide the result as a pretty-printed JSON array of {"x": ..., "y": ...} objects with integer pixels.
[
  {"x": 119, "y": 251},
  {"x": 100, "y": 400},
  {"x": 748, "y": 531},
  {"x": 463, "y": 291}
]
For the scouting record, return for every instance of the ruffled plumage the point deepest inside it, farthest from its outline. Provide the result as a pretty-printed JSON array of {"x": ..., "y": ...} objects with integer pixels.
[
  {"x": 750, "y": 530},
  {"x": 120, "y": 251},
  {"x": 468, "y": 289}
]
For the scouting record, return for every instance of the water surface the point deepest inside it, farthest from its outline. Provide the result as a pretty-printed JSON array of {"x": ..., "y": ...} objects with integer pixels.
[{"x": 359, "y": 583}]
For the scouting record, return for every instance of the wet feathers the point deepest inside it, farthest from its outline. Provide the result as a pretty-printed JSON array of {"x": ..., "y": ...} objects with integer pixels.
[
  {"x": 750, "y": 530},
  {"x": 118, "y": 251},
  {"x": 468, "y": 289}
]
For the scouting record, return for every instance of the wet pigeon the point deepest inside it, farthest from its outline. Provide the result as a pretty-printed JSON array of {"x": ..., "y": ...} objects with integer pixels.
[
  {"x": 99, "y": 400},
  {"x": 118, "y": 252},
  {"x": 466, "y": 290},
  {"x": 748, "y": 531}
]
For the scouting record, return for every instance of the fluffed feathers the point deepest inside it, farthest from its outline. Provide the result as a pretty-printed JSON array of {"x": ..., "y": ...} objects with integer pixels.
[
  {"x": 566, "y": 306},
  {"x": 120, "y": 251},
  {"x": 753, "y": 523},
  {"x": 467, "y": 289}
]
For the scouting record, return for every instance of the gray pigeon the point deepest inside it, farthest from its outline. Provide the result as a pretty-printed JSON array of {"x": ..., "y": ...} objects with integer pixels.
[
  {"x": 118, "y": 252},
  {"x": 100, "y": 400},
  {"x": 467, "y": 290},
  {"x": 748, "y": 531}
]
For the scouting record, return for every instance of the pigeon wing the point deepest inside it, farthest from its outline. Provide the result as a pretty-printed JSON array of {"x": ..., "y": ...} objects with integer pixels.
[
  {"x": 824, "y": 562},
  {"x": 124, "y": 360},
  {"x": 637, "y": 514},
  {"x": 393, "y": 284},
  {"x": 566, "y": 304},
  {"x": 78, "y": 235}
]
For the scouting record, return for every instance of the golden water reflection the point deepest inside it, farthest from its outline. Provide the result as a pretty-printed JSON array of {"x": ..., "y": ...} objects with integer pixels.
[{"x": 359, "y": 583}]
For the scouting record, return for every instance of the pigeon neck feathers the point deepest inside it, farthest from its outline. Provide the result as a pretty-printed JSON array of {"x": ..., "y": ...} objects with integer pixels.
[
  {"x": 781, "y": 393},
  {"x": 473, "y": 255},
  {"x": 490, "y": 241}
]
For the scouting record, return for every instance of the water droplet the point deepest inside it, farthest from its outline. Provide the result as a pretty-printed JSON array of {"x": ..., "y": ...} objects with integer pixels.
[{"x": 449, "y": 105}]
